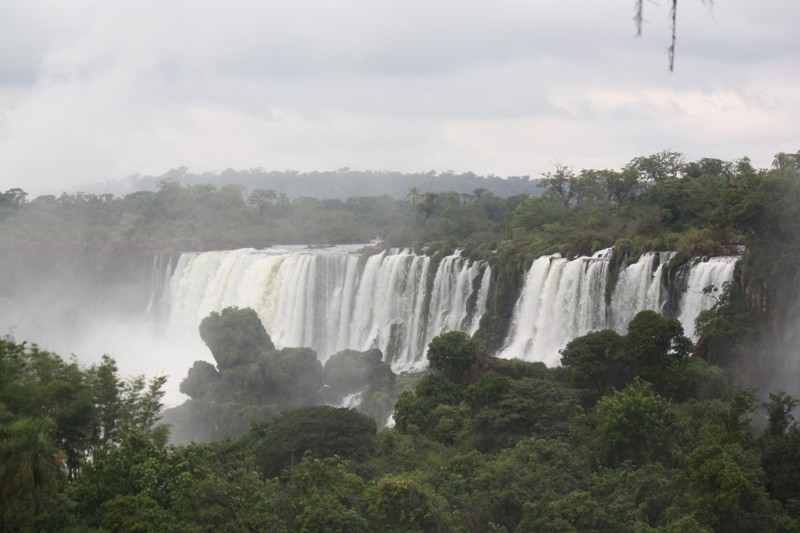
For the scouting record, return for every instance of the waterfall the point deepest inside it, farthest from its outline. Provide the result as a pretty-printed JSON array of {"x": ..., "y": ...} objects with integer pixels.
[
  {"x": 638, "y": 289},
  {"x": 334, "y": 299},
  {"x": 560, "y": 300},
  {"x": 711, "y": 272},
  {"x": 563, "y": 299},
  {"x": 160, "y": 270}
]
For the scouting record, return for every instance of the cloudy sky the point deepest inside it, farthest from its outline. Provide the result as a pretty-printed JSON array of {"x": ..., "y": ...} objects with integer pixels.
[{"x": 96, "y": 90}]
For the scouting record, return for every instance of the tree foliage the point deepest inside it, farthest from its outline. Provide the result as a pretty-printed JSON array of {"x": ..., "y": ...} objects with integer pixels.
[
  {"x": 235, "y": 336},
  {"x": 322, "y": 431},
  {"x": 454, "y": 354}
]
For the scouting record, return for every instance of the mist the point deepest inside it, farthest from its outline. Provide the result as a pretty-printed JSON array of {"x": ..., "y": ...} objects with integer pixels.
[{"x": 73, "y": 304}]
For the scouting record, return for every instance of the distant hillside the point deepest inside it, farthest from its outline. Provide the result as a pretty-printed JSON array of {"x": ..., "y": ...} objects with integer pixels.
[{"x": 339, "y": 184}]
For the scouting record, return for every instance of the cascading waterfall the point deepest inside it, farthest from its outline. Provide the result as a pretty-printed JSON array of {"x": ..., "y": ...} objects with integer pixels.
[
  {"x": 563, "y": 299},
  {"x": 334, "y": 299},
  {"x": 480, "y": 302},
  {"x": 710, "y": 272},
  {"x": 560, "y": 300},
  {"x": 638, "y": 288},
  {"x": 160, "y": 269}
]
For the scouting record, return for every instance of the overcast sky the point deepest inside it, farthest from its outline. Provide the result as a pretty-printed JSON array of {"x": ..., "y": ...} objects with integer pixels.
[{"x": 96, "y": 90}]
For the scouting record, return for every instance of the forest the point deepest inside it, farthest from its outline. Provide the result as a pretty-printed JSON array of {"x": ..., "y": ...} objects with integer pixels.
[{"x": 641, "y": 431}]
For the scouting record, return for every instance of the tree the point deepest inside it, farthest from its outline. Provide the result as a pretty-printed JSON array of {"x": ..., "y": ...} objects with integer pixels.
[
  {"x": 779, "y": 412},
  {"x": 235, "y": 336},
  {"x": 576, "y": 511},
  {"x": 120, "y": 406},
  {"x": 727, "y": 491},
  {"x": 261, "y": 199},
  {"x": 618, "y": 187},
  {"x": 658, "y": 167},
  {"x": 322, "y": 431},
  {"x": 29, "y": 463},
  {"x": 414, "y": 195},
  {"x": 596, "y": 362},
  {"x": 429, "y": 204},
  {"x": 348, "y": 370},
  {"x": 782, "y": 161},
  {"x": 560, "y": 185},
  {"x": 455, "y": 354},
  {"x": 416, "y": 411},
  {"x": 726, "y": 328},
  {"x": 632, "y": 425},
  {"x": 13, "y": 197},
  {"x": 107, "y": 403},
  {"x": 325, "y": 495},
  {"x": 655, "y": 345},
  {"x": 403, "y": 503},
  {"x": 527, "y": 407},
  {"x": 780, "y": 451},
  {"x": 131, "y": 468},
  {"x": 536, "y": 469},
  {"x": 135, "y": 514},
  {"x": 199, "y": 380}
]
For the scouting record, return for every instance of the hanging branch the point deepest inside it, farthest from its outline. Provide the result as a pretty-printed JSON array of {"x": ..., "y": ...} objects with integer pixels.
[
  {"x": 671, "y": 50},
  {"x": 638, "y": 19}
]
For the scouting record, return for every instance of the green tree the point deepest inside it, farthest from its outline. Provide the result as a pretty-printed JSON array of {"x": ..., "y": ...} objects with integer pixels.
[
  {"x": 573, "y": 512},
  {"x": 535, "y": 470},
  {"x": 135, "y": 514},
  {"x": 107, "y": 401},
  {"x": 779, "y": 412},
  {"x": 454, "y": 354},
  {"x": 522, "y": 408},
  {"x": 727, "y": 491},
  {"x": 131, "y": 468},
  {"x": 415, "y": 411},
  {"x": 665, "y": 165},
  {"x": 596, "y": 362},
  {"x": 404, "y": 503},
  {"x": 655, "y": 346},
  {"x": 29, "y": 463},
  {"x": 235, "y": 336},
  {"x": 200, "y": 379},
  {"x": 322, "y": 431},
  {"x": 414, "y": 195},
  {"x": 325, "y": 495},
  {"x": 727, "y": 328},
  {"x": 428, "y": 205},
  {"x": 633, "y": 425},
  {"x": 780, "y": 452}
]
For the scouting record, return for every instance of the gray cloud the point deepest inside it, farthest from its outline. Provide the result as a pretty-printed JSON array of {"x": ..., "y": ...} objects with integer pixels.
[{"x": 95, "y": 90}]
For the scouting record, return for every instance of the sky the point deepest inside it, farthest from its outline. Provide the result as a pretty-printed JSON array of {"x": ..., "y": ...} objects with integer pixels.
[{"x": 97, "y": 90}]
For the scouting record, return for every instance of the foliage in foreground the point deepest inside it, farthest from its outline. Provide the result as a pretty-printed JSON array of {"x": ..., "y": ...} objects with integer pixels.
[{"x": 594, "y": 446}]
